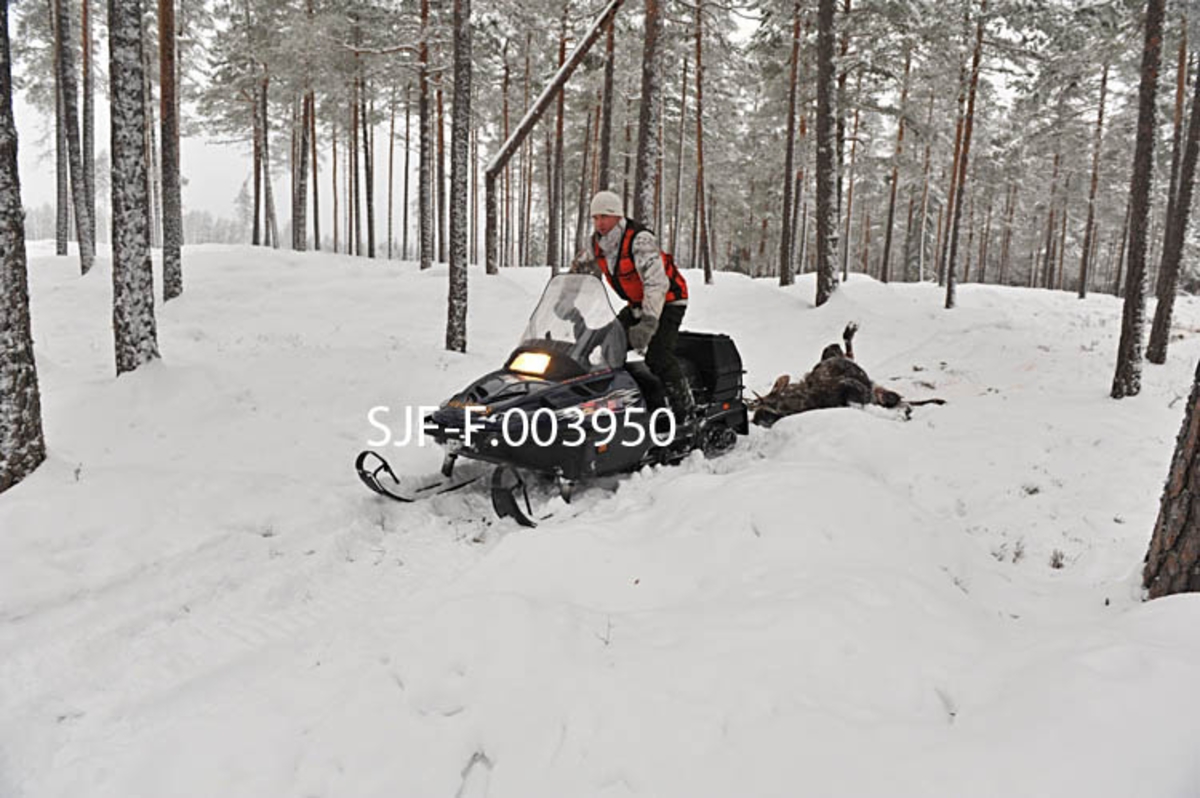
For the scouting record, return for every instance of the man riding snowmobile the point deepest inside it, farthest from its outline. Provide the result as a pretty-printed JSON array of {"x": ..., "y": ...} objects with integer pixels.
[{"x": 655, "y": 293}]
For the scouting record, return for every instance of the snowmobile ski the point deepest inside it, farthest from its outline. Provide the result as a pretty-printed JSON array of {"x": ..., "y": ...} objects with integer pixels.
[{"x": 370, "y": 465}]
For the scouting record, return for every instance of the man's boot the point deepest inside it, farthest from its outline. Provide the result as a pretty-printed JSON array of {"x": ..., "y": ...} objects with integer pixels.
[{"x": 683, "y": 407}]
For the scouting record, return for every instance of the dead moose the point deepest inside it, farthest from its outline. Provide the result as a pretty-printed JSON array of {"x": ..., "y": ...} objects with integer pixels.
[{"x": 836, "y": 381}]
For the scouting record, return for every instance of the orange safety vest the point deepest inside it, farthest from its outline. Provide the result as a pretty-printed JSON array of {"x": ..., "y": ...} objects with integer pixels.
[{"x": 627, "y": 282}]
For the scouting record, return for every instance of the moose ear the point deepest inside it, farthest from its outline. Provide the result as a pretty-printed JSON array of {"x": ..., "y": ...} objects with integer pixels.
[{"x": 781, "y": 382}]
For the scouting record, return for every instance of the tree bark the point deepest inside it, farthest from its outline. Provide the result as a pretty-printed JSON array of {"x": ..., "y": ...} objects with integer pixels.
[
  {"x": 921, "y": 241},
  {"x": 826, "y": 181},
  {"x": 679, "y": 159},
  {"x": 22, "y": 441},
  {"x": 647, "y": 148},
  {"x": 368, "y": 143},
  {"x": 407, "y": 151},
  {"x": 456, "y": 311},
  {"x": 134, "y": 329},
  {"x": 70, "y": 100},
  {"x": 1168, "y": 281},
  {"x": 172, "y": 208},
  {"x": 785, "y": 235},
  {"x": 554, "y": 217},
  {"x": 885, "y": 265},
  {"x": 604, "y": 178},
  {"x": 850, "y": 182},
  {"x": 1085, "y": 265},
  {"x": 702, "y": 228},
  {"x": 1173, "y": 561},
  {"x": 312, "y": 138},
  {"x": 1176, "y": 139},
  {"x": 968, "y": 124},
  {"x": 1127, "y": 381},
  {"x": 424, "y": 156},
  {"x": 89, "y": 117}
]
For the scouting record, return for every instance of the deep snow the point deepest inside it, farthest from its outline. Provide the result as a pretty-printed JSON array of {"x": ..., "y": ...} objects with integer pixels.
[{"x": 198, "y": 598}]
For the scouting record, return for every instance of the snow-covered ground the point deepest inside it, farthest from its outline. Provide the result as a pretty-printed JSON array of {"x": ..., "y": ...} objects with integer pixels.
[{"x": 198, "y": 597}]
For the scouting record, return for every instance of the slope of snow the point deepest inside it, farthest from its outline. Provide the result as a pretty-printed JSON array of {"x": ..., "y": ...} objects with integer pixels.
[{"x": 198, "y": 598}]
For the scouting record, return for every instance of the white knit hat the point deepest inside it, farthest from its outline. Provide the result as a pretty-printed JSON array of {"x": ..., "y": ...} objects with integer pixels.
[{"x": 606, "y": 203}]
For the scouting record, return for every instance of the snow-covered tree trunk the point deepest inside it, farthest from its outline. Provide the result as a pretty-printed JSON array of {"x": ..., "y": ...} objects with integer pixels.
[
  {"x": 1173, "y": 560},
  {"x": 424, "y": 157},
  {"x": 134, "y": 328},
  {"x": 1168, "y": 281},
  {"x": 826, "y": 141},
  {"x": 172, "y": 208},
  {"x": 22, "y": 445},
  {"x": 272, "y": 222},
  {"x": 964, "y": 159},
  {"x": 456, "y": 316},
  {"x": 647, "y": 147},
  {"x": 1127, "y": 381},
  {"x": 70, "y": 96}
]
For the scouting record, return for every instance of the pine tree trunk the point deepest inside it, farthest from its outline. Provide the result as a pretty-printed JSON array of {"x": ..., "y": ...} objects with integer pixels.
[
  {"x": 1173, "y": 560},
  {"x": 1127, "y": 381},
  {"x": 679, "y": 159},
  {"x": 647, "y": 148},
  {"x": 154, "y": 170},
  {"x": 89, "y": 118},
  {"x": 604, "y": 177},
  {"x": 1062, "y": 235},
  {"x": 1176, "y": 141},
  {"x": 984, "y": 241},
  {"x": 1168, "y": 282},
  {"x": 581, "y": 206},
  {"x": 1010, "y": 210},
  {"x": 368, "y": 141},
  {"x": 964, "y": 158},
  {"x": 62, "y": 219},
  {"x": 506, "y": 228},
  {"x": 272, "y": 223},
  {"x": 355, "y": 203},
  {"x": 456, "y": 313},
  {"x": 134, "y": 328},
  {"x": 312, "y": 137},
  {"x": 826, "y": 180},
  {"x": 626, "y": 181},
  {"x": 404, "y": 195},
  {"x": 842, "y": 107},
  {"x": 172, "y": 208},
  {"x": 1118, "y": 288},
  {"x": 885, "y": 266},
  {"x": 1085, "y": 265},
  {"x": 425, "y": 156},
  {"x": 1047, "y": 280},
  {"x": 702, "y": 226},
  {"x": 22, "y": 442},
  {"x": 785, "y": 235},
  {"x": 70, "y": 95},
  {"x": 256, "y": 235},
  {"x": 850, "y": 182},
  {"x": 442, "y": 206},
  {"x": 952, "y": 193},
  {"x": 553, "y": 234},
  {"x": 921, "y": 241},
  {"x": 333, "y": 165},
  {"x": 970, "y": 237},
  {"x": 391, "y": 193}
]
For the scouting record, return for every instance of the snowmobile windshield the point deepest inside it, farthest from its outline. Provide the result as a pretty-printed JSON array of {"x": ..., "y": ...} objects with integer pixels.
[{"x": 575, "y": 314}]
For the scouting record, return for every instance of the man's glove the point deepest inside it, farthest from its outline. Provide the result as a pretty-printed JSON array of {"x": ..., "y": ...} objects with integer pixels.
[{"x": 639, "y": 335}]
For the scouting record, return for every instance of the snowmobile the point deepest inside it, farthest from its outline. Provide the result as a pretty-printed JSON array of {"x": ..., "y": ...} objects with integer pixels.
[{"x": 569, "y": 407}]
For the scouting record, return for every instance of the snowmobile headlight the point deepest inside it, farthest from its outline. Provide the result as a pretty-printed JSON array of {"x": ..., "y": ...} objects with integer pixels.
[{"x": 534, "y": 363}]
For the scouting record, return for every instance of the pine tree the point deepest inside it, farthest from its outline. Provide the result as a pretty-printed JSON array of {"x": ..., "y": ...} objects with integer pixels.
[
  {"x": 133, "y": 275},
  {"x": 826, "y": 180},
  {"x": 1128, "y": 378},
  {"x": 70, "y": 102},
  {"x": 22, "y": 445},
  {"x": 456, "y": 322},
  {"x": 172, "y": 210}
]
